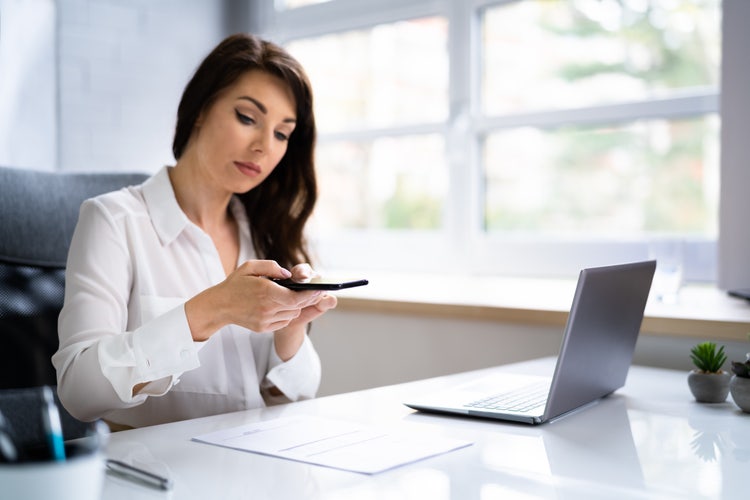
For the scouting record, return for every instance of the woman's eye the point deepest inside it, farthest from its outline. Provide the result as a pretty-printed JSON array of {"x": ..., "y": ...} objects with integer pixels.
[
  {"x": 282, "y": 136},
  {"x": 244, "y": 118}
]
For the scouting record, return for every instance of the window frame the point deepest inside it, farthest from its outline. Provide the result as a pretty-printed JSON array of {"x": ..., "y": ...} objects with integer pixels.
[{"x": 462, "y": 240}]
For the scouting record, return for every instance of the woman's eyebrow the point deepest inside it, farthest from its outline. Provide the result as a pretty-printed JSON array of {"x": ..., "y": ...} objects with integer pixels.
[{"x": 262, "y": 107}]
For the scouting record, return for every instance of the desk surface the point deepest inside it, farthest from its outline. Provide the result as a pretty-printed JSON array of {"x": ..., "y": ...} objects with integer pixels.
[{"x": 648, "y": 440}]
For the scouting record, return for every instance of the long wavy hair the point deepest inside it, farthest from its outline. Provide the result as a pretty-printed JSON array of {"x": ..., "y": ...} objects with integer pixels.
[{"x": 278, "y": 208}]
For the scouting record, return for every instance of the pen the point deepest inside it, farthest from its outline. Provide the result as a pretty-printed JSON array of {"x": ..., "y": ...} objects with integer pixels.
[
  {"x": 139, "y": 475},
  {"x": 52, "y": 426}
]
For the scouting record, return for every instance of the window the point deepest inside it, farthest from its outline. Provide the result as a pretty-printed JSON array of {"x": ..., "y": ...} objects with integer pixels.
[
  {"x": 518, "y": 137},
  {"x": 381, "y": 155},
  {"x": 293, "y": 4},
  {"x": 611, "y": 173},
  {"x": 621, "y": 180}
]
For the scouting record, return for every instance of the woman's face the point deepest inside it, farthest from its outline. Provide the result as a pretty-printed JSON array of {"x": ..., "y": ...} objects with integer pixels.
[{"x": 244, "y": 134}]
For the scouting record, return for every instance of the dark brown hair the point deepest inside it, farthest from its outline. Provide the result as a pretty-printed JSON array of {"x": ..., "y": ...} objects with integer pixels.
[{"x": 280, "y": 206}]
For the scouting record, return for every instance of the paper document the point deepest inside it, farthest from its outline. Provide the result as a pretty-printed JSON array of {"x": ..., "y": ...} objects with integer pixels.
[{"x": 332, "y": 443}]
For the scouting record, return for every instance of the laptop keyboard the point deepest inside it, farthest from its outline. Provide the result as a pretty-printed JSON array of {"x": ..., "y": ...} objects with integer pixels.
[{"x": 522, "y": 399}]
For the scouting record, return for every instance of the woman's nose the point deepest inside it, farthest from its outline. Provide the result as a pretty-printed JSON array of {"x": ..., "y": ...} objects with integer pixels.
[{"x": 260, "y": 142}]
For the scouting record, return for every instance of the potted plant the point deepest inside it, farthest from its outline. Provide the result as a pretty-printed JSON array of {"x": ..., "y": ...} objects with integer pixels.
[
  {"x": 739, "y": 386},
  {"x": 708, "y": 382}
]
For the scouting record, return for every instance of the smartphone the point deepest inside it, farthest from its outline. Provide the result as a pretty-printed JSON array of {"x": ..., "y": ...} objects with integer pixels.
[{"x": 320, "y": 283}]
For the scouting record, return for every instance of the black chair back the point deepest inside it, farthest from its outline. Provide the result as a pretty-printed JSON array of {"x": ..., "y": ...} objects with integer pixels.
[{"x": 38, "y": 213}]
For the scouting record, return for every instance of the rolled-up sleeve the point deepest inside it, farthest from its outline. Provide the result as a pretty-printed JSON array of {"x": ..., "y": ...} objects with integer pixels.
[
  {"x": 298, "y": 378},
  {"x": 99, "y": 362},
  {"x": 156, "y": 352},
  {"x": 134, "y": 261}
]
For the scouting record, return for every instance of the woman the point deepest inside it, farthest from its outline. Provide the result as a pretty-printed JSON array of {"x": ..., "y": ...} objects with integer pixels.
[{"x": 169, "y": 311}]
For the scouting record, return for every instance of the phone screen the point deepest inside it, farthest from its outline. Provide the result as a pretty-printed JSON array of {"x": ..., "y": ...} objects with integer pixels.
[{"x": 320, "y": 283}]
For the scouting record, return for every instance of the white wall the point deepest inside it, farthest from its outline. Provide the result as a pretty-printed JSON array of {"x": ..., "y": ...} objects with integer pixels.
[
  {"x": 122, "y": 68},
  {"x": 28, "y": 77},
  {"x": 363, "y": 350},
  {"x": 94, "y": 84},
  {"x": 734, "y": 231}
]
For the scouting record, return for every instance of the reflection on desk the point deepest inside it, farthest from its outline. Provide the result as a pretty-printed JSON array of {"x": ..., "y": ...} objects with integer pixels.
[{"x": 648, "y": 440}]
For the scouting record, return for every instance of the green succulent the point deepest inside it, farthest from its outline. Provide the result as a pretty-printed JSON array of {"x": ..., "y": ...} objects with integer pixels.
[{"x": 707, "y": 358}]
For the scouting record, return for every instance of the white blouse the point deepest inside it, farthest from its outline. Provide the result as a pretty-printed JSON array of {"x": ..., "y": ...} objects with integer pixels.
[{"x": 134, "y": 261}]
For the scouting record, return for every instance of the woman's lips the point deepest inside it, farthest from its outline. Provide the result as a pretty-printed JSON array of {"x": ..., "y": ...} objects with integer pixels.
[{"x": 250, "y": 169}]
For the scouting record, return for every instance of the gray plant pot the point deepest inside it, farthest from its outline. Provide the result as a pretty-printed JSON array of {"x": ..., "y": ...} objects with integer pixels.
[
  {"x": 709, "y": 387},
  {"x": 740, "y": 389}
]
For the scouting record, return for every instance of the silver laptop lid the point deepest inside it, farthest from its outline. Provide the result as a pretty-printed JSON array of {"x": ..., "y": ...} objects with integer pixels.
[{"x": 606, "y": 319}]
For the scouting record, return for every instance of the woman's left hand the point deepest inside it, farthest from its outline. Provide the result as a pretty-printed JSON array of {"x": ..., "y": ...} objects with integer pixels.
[{"x": 289, "y": 338}]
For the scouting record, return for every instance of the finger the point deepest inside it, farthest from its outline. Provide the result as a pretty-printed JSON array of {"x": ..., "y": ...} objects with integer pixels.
[
  {"x": 279, "y": 320},
  {"x": 314, "y": 311},
  {"x": 277, "y": 325},
  {"x": 310, "y": 299},
  {"x": 303, "y": 272},
  {"x": 269, "y": 268},
  {"x": 323, "y": 302},
  {"x": 291, "y": 301},
  {"x": 295, "y": 298},
  {"x": 328, "y": 302}
]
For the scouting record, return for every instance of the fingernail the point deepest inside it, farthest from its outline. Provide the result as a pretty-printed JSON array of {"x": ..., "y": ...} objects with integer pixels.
[{"x": 286, "y": 273}]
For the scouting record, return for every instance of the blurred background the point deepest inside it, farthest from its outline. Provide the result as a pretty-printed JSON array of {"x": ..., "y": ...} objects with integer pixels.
[{"x": 525, "y": 138}]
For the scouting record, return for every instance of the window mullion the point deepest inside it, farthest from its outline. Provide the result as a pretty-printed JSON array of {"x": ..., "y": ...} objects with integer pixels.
[
  {"x": 376, "y": 133},
  {"x": 698, "y": 103},
  {"x": 344, "y": 15},
  {"x": 463, "y": 210}
]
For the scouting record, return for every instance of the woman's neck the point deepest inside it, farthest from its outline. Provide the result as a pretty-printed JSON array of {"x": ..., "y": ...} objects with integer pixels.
[{"x": 202, "y": 203}]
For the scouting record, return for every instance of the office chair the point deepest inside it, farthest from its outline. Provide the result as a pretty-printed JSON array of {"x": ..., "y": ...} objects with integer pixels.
[{"x": 38, "y": 213}]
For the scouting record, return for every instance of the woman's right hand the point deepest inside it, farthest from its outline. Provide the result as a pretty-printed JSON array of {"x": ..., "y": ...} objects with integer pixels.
[{"x": 249, "y": 299}]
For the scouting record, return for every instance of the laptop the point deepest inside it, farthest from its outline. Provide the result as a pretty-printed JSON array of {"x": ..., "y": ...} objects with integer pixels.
[{"x": 595, "y": 355}]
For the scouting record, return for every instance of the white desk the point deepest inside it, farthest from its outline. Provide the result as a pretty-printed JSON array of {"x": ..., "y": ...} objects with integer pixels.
[{"x": 648, "y": 440}]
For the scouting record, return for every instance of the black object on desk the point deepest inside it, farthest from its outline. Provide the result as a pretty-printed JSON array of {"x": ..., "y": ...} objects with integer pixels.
[
  {"x": 741, "y": 293},
  {"x": 137, "y": 475}
]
